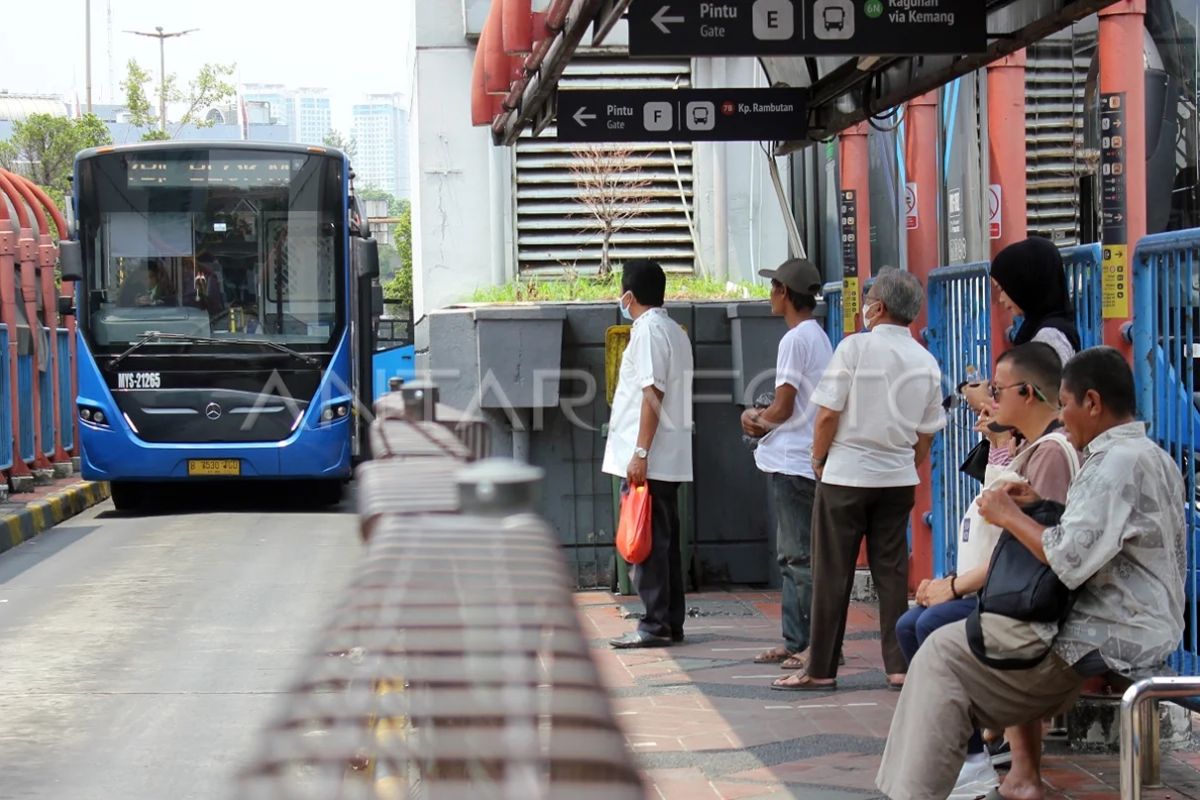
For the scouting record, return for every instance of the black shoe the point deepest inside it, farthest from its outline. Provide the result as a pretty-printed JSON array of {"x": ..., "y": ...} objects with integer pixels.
[
  {"x": 676, "y": 636},
  {"x": 639, "y": 639}
]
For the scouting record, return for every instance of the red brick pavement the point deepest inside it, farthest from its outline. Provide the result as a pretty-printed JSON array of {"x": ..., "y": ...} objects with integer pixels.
[{"x": 703, "y": 723}]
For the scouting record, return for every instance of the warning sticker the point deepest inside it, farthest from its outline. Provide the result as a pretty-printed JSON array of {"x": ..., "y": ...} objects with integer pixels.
[
  {"x": 1115, "y": 281},
  {"x": 850, "y": 308}
]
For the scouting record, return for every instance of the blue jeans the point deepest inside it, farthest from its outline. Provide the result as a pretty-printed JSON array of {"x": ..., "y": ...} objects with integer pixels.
[
  {"x": 793, "y": 496},
  {"x": 914, "y": 627}
]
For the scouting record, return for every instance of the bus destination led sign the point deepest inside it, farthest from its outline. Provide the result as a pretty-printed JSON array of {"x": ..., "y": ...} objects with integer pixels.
[{"x": 168, "y": 173}]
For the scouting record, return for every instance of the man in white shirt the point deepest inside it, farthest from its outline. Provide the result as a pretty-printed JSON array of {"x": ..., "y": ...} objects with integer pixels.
[
  {"x": 650, "y": 441},
  {"x": 880, "y": 406},
  {"x": 785, "y": 450}
]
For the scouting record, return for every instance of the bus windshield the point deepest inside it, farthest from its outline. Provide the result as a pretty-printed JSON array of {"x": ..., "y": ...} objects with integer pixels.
[{"x": 212, "y": 242}]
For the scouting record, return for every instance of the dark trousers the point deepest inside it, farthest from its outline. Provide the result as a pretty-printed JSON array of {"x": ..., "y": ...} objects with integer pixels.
[
  {"x": 842, "y": 516},
  {"x": 659, "y": 579},
  {"x": 918, "y": 622},
  {"x": 793, "y": 496}
]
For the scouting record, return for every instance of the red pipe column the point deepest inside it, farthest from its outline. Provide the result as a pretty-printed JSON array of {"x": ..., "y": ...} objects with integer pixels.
[
  {"x": 1123, "y": 157},
  {"x": 1006, "y": 166},
  {"x": 26, "y": 257},
  {"x": 856, "y": 220},
  {"x": 67, "y": 290},
  {"x": 855, "y": 213},
  {"x": 924, "y": 255},
  {"x": 47, "y": 253},
  {"x": 20, "y": 477}
]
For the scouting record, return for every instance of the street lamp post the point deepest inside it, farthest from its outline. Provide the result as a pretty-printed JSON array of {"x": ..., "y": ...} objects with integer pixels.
[
  {"x": 88, "y": 48},
  {"x": 162, "y": 68}
]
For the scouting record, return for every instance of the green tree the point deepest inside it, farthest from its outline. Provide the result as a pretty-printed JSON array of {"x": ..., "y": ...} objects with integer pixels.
[
  {"x": 371, "y": 193},
  {"x": 335, "y": 139},
  {"x": 43, "y": 148},
  {"x": 210, "y": 87},
  {"x": 400, "y": 288}
]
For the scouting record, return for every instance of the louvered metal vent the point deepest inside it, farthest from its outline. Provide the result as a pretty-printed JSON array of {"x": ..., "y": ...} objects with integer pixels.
[
  {"x": 1055, "y": 76},
  {"x": 555, "y": 233}
]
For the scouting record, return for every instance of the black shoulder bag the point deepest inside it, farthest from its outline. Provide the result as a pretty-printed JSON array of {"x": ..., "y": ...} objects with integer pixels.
[{"x": 1019, "y": 592}]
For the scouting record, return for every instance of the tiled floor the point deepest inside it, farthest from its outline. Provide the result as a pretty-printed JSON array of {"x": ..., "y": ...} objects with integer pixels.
[{"x": 704, "y": 724}]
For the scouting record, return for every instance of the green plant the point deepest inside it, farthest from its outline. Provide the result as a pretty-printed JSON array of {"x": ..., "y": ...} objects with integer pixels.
[{"x": 575, "y": 288}]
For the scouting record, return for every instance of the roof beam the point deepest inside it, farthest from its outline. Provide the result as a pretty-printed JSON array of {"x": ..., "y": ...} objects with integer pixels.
[
  {"x": 843, "y": 98},
  {"x": 541, "y": 86},
  {"x": 610, "y": 14}
]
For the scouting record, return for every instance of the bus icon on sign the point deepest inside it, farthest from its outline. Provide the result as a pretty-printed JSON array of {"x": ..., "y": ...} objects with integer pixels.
[{"x": 833, "y": 19}]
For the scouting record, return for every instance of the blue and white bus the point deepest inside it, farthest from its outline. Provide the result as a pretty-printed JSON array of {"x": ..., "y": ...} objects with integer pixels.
[{"x": 226, "y": 299}]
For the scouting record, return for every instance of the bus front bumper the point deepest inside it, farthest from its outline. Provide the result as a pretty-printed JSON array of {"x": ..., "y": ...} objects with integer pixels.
[{"x": 313, "y": 453}]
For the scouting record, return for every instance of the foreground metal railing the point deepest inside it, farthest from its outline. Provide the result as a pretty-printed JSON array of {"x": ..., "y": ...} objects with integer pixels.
[
  {"x": 1139, "y": 728},
  {"x": 455, "y": 666}
]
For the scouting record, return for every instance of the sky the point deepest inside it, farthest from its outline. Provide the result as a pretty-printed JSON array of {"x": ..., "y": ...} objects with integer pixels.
[{"x": 42, "y": 45}]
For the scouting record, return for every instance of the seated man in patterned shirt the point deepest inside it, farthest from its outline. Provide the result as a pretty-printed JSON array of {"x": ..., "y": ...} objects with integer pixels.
[{"x": 1119, "y": 546}]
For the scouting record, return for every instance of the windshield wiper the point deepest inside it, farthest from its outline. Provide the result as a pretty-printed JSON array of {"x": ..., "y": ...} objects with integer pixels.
[
  {"x": 157, "y": 336},
  {"x": 147, "y": 338}
]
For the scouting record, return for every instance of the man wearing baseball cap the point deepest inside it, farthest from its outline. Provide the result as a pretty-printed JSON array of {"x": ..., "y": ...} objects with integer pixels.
[{"x": 785, "y": 450}]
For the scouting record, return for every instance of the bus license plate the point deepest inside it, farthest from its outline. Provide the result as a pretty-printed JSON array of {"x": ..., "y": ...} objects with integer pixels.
[{"x": 214, "y": 466}]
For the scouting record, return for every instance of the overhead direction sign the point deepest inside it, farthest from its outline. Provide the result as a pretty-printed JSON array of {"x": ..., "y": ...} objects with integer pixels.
[
  {"x": 807, "y": 27},
  {"x": 682, "y": 115}
]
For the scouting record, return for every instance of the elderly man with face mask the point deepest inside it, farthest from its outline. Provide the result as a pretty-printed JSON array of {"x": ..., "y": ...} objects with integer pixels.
[
  {"x": 650, "y": 442},
  {"x": 879, "y": 406}
]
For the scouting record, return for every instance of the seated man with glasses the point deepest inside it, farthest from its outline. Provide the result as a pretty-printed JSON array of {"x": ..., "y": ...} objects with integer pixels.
[{"x": 1024, "y": 396}]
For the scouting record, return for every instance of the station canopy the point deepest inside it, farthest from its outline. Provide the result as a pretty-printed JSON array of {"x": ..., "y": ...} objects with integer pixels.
[{"x": 843, "y": 91}]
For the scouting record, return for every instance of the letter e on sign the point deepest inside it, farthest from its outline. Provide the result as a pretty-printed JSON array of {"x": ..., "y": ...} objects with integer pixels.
[{"x": 774, "y": 20}]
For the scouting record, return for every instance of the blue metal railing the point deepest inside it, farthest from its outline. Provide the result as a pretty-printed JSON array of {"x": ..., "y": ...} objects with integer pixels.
[
  {"x": 6, "y": 440},
  {"x": 46, "y": 397},
  {"x": 66, "y": 403},
  {"x": 833, "y": 311},
  {"x": 25, "y": 397},
  {"x": 959, "y": 336},
  {"x": 1082, "y": 265},
  {"x": 1166, "y": 344}
]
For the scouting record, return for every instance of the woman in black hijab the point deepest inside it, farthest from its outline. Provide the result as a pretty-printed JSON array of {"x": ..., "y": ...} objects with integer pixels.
[{"x": 1032, "y": 284}]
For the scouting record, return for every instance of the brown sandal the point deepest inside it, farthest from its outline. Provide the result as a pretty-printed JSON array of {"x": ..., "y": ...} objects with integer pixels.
[
  {"x": 773, "y": 656},
  {"x": 796, "y": 661},
  {"x": 801, "y": 682}
]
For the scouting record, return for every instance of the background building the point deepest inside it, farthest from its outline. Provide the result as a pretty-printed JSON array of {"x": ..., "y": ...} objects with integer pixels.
[
  {"x": 380, "y": 133},
  {"x": 306, "y": 112}
]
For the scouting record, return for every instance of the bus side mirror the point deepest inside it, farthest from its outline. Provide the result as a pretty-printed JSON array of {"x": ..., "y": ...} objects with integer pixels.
[
  {"x": 366, "y": 257},
  {"x": 70, "y": 260}
]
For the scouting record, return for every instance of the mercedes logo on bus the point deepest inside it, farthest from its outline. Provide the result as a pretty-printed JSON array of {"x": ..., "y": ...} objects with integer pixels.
[{"x": 212, "y": 411}]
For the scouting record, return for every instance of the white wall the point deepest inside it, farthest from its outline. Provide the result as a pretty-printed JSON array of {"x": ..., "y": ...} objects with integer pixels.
[
  {"x": 755, "y": 234},
  {"x": 453, "y": 237}
]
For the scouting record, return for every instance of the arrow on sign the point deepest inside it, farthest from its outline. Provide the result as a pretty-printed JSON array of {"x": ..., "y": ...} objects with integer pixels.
[
  {"x": 582, "y": 118},
  {"x": 661, "y": 19}
]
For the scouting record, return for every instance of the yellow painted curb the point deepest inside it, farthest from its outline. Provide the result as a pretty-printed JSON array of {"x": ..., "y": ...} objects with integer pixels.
[{"x": 46, "y": 512}]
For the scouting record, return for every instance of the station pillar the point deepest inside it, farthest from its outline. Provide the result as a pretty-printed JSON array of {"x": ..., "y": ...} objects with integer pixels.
[{"x": 1006, "y": 169}]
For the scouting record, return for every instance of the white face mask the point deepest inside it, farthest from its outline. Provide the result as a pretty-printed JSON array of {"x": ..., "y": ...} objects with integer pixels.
[
  {"x": 625, "y": 311},
  {"x": 866, "y": 322}
]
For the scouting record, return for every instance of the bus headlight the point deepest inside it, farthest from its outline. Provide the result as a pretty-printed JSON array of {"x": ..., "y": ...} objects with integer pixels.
[
  {"x": 334, "y": 412},
  {"x": 93, "y": 415}
]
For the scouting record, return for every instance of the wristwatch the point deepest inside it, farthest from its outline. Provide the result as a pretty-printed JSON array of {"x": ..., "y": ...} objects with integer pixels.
[{"x": 641, "y": 452}]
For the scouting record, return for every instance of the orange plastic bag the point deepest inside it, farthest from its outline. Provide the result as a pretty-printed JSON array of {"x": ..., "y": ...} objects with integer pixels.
[{"x": 633, "y": 530}]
